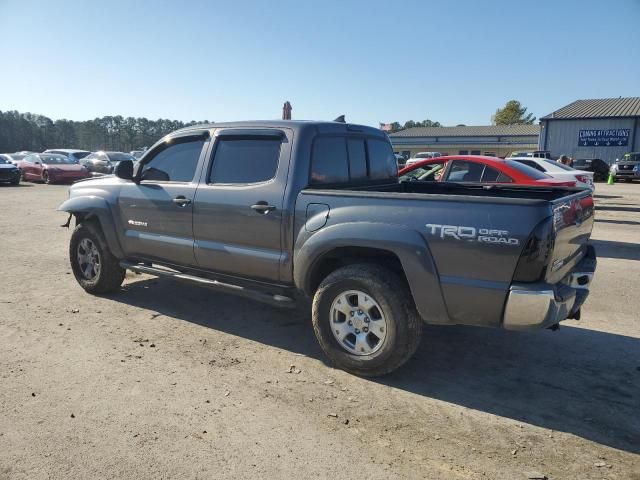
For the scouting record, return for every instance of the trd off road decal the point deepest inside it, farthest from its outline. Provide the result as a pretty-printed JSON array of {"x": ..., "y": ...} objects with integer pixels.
[{"x": 472, "y": 234}]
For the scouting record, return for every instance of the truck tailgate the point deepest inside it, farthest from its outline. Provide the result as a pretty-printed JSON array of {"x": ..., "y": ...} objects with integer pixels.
[{"x": 573, "y": 218}]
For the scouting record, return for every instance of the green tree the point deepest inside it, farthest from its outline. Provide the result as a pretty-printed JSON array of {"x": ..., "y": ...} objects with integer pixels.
[{"x": 512, "y": 113}]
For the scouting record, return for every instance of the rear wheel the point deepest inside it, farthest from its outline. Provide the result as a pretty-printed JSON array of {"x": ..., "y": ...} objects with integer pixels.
[
  {"x": 93, "y": 265},
  {"x": 365, "y": 320}
]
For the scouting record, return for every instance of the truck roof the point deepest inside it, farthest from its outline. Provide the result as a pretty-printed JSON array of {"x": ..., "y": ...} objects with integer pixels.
[{"x": 296, "y": 125}]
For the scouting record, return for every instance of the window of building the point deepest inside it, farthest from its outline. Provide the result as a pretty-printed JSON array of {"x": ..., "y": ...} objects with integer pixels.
[
  {"x": 245, "y": 160},
  {"x": 174, "y": 163},
  {"x": 463, "y": 152},
  {"x": 475, "y": 152}
]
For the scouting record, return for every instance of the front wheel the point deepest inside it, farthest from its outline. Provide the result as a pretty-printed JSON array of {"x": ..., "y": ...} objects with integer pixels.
[
  {"x": 93, "y": 265},
  {"x": 365, "y": 320},
  {"x": 45, "y": 177}
]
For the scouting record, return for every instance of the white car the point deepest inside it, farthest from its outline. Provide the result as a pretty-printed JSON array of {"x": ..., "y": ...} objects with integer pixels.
[
  {"x": 418, "y": 157},
  {"x": 558, "y": 170}
]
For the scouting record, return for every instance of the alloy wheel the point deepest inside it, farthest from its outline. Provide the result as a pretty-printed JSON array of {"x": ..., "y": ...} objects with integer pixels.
[{"x": 358, "y": 322}]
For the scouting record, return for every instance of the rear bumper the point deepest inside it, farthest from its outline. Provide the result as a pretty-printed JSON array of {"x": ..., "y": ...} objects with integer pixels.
[{"x": 540, "y": 305}]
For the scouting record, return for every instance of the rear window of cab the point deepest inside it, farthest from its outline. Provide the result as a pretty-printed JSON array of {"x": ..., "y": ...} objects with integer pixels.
[{"x": 342, "y": 159}]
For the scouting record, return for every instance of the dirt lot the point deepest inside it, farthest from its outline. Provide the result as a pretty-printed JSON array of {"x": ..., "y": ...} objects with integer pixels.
[{"x": 168, "y": 380}]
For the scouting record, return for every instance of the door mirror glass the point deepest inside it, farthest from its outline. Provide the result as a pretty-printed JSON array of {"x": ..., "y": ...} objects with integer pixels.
[{"x": 124, "y": 170}]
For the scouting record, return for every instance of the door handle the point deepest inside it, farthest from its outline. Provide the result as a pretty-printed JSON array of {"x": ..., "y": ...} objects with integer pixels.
[
  {"x": 263, "y": 207},
  {"x": 181, "y": 201}
]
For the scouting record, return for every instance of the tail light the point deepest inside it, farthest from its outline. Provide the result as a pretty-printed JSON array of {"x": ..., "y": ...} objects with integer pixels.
[
  {"x": 583, "y": 178},
  {"x": 536, "y": 253}
]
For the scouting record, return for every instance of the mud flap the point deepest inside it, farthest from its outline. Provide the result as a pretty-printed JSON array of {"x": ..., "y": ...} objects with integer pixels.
[{"x": 66, "y": 225}]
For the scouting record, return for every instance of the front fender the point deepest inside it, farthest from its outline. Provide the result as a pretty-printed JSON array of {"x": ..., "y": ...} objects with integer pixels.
[
  {"x": 407, "y": 244},
  {"x": 91, "y": 206}
]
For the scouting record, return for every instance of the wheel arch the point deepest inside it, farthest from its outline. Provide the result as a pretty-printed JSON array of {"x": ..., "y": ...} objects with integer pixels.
[
  {"x": 398, "y": 248},
  {"x": 96, "y": 209}
]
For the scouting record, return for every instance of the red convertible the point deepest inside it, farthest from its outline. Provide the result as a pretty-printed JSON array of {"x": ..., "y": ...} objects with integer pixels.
[
  {"x": 478, "y": 169},
  {"x": 50, "y": 168}
]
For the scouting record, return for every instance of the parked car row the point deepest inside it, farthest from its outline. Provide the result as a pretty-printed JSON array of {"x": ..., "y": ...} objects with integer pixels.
[
  {"x": 493, "y": 170},
  {"x": 59, "y": 165}
]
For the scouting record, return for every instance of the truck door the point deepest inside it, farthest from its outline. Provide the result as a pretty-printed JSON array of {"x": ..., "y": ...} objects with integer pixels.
[
  {"x": 156, "y": 214},
  {"x": 238, "y": 208}
]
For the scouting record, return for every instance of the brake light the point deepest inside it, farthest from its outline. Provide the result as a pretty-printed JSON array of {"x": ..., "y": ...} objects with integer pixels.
[{"x": 583, "y": 178}]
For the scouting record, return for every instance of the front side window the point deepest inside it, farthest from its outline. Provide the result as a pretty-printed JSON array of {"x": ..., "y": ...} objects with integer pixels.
[
  {"x": 245, "y": 160},
  {"x": 174, "y": 163}
]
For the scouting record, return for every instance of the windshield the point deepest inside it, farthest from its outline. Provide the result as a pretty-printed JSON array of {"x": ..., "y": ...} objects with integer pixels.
[
  {"x": 55, "y": 160},
  {"x": 423, "y": 155},
  {"x": 80, "y": 155},
  {"x": 4, "y": 161},
  {"x": 118, "y": 156},
  {"x": 527, "y": 170},
  {"x": 631, "y": 157}
]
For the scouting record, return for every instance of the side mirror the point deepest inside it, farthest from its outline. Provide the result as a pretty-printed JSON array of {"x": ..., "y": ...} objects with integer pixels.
[{"x": 124, "y": 170}]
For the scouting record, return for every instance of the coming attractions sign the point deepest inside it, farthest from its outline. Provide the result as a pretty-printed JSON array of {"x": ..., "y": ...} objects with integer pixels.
[{"x": 608, "y": 137}]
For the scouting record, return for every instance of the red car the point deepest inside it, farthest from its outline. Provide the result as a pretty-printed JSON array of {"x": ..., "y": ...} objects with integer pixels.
[
  {"x": 476, "y": 168},
  {"x": 50, "y": 168}
]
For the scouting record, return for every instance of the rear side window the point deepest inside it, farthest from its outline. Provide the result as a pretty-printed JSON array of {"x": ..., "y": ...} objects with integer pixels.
[
  {"x": 382, "y": 162},
  {"x": 174, "y": 163},
  {"x": 329, "y": 163},
  {"x": 245, "y": 160},
  {"x": 490, "y": 174}
]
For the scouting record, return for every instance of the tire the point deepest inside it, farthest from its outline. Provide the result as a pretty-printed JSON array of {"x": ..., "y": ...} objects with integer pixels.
[
  {"x": 394, "y": 306},
  {"x": 86, "y": 243},
  {"x": 16, "y": 181},
  {"x": 45, "y": 177}
]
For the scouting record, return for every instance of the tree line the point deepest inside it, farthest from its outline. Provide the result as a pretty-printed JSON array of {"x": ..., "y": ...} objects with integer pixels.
[
  {"x": 512, "y": 113},
  {"x": 33, "y": 132}
]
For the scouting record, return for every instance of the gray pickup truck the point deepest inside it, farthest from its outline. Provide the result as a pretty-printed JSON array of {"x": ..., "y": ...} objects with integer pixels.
[{"x": 286, "y": 210}]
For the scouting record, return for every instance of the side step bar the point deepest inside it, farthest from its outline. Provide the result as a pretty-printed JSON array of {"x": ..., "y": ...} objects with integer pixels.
[{"x": 275, "y": 300}]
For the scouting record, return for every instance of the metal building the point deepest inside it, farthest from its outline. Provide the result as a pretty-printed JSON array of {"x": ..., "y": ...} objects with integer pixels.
[
  {"x": 493, "y": 140},
  {"x": 604, "y": 128}
]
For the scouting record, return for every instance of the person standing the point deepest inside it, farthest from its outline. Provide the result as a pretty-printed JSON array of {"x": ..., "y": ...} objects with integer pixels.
[{"x": 565, "y": 160}]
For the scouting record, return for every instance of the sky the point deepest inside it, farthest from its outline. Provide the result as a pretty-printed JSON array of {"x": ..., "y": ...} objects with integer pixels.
[{"x": 454, "y": 62}]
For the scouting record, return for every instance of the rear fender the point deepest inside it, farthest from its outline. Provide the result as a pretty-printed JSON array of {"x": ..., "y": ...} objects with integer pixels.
[
  {"x": 87, "y": 207},
  {"x": 408, "y": 245}
]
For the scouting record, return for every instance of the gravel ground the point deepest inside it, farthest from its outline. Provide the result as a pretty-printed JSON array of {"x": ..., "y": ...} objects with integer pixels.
[{"x": 170, "y": 380}]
